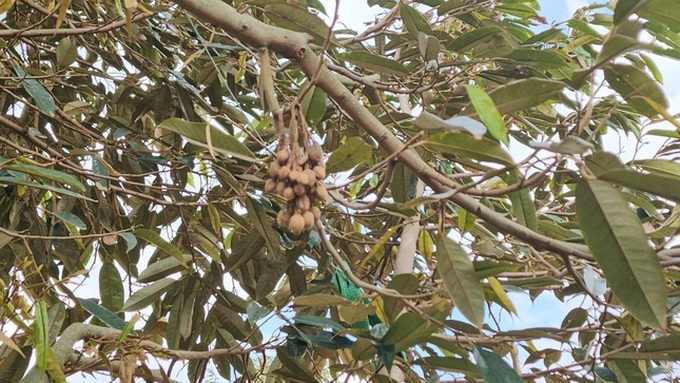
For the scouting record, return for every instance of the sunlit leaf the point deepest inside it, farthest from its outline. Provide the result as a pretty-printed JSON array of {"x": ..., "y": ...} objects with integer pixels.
[
  {"x": 488, "y": 113},
  {"x": 521, "y": 94},
  {"x": 429, "y": 121}
]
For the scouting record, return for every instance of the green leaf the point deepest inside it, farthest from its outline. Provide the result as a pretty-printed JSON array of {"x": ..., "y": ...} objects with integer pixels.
[
  {"x": 615, "y": 237},
  {"x": 53, "y": 367},
  {"x": 414, "y": 21},
  {"x": 298, "y": 19},
  {"x": 455, "y": 268},
  {"x": 314, "y": 105},
  {"x": 263, "y": 224},
  {"x": 130, "y": 240},
  {"x": 664, "y": 167},
  {"x": 471, "y": 39},
  {"x": 379, "y": 64},
  {"x": 636, "y": 87},
  {"x": 147, "y": 295},
  {"x": 45, "y": 173},
  {"x": 522, "y": 204},
  {"x": 606, "y": 166},
  {"x": 488, "y": 113},
  {"x": 429, "y": 121},
  {"x": 408, "y": 330},
  {"x": 41, "y": 332},
  {"x": 448, "y": 363},
  {"x": 331, "y": 341},
  {"x": 111, "y": 286},
  {"x": 71, "y": 219},
  {"x": 493, "y": 368},
  {"x": 155, "y": 239},
  {"x": 67, "y": 52},
  {"x": 353, "y": 152},
  {"x": 665, "y": 344},
  {"x": 320, "y": 300},
  {"x": 662, "y": 11},
  {"x": 107, "y": 317},
  {"x": 468, "y": 147},
  {"x": 547, "y": 59},
  {"x": 428, "y": 46},
  {"x": 520, "y": 94},
  {"x": 163, "y": 268},
  {"x": 312, "y": 320},
  {"x": 209, "y": 136},
  {"x": 627, "y": 371},
  {"x": 43, "y": 99}
]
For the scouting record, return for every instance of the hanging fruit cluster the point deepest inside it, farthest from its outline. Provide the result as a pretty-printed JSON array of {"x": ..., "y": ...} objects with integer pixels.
[{"x": 297, "y": 175}]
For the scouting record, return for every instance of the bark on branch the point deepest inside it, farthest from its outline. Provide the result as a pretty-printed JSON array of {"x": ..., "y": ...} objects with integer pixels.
[{"x": 296, "y": 46}]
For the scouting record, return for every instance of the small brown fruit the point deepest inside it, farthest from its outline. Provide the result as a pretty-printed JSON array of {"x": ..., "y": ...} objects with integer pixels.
[
  {"x": 283, "y": 218},
  {"x": 299, "y": 189},
  {"x": 296, "y": 224},
  {"x": 316, "y": 212},
  {"x": 294, "y": 175},
  {"x": 283, "y": 155},
  {"x": 319, "y": 172},
  {"x": 303, "y": 203},
  {"x": 274, "y": 168},
  {"x": 284, "y": 172},
  {"x": 315, "y": 153},
  {"x": 309, "y": 219},
  {"x": 288, "y": 193},
  {"x": 270, "y": 186},
  {"x": 321, "y": 192},
  {"x": 280, "y": 186},
  {"x": 303, "y": 178}
]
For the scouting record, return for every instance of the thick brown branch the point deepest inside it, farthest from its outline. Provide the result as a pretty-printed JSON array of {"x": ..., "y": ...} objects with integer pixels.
[{"x": 296, "y": 47}]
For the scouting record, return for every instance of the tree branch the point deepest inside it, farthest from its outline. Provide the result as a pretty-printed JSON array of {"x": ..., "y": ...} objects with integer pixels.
[
  {"x": 63, "y": 348},
  {"x": 296, "y": 46}
]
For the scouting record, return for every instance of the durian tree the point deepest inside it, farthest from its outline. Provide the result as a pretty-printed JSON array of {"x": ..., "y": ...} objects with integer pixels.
[{"x": 247, "y": 190}]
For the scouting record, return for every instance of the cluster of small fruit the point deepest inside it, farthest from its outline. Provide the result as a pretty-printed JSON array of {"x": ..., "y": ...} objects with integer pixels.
[{"x": 297, "y": 177}]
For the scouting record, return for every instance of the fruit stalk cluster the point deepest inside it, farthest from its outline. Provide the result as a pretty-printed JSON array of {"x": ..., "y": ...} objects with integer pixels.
[{"x": 297, "y": 176}]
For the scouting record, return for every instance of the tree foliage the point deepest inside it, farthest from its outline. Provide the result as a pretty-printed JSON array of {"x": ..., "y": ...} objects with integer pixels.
[{"x": 137, "y": 142}]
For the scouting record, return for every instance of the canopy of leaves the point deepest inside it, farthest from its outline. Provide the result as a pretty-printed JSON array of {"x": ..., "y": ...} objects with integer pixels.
[{"x": 136, "y": 139}]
